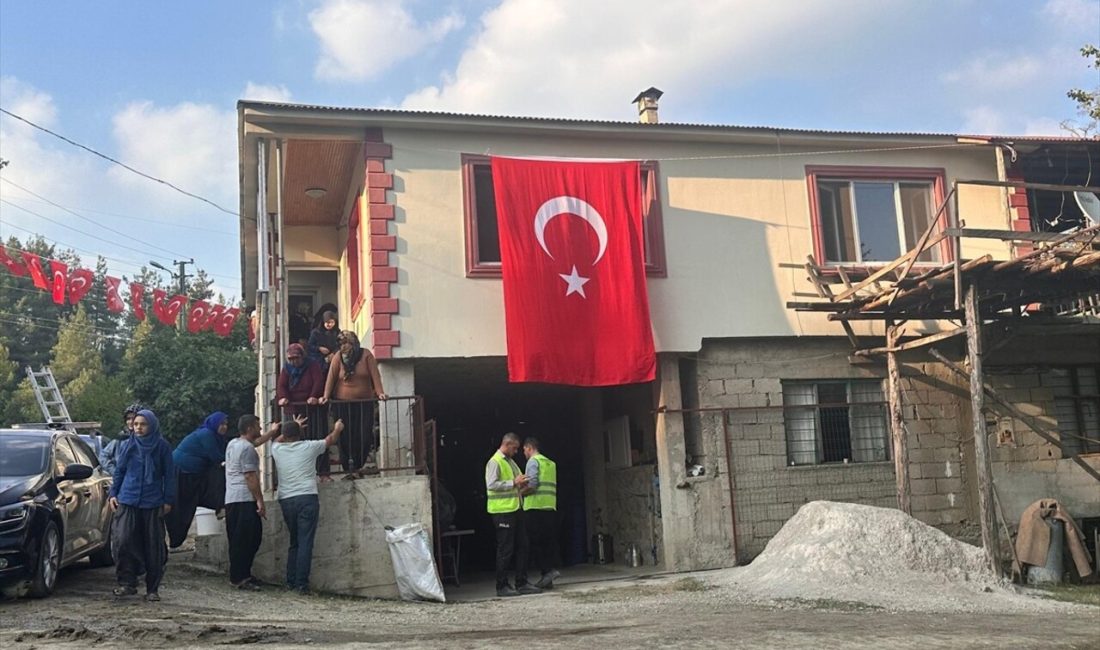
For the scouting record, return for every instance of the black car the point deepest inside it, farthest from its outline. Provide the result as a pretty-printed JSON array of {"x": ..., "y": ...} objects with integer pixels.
[{"x": 53, "y": 508}]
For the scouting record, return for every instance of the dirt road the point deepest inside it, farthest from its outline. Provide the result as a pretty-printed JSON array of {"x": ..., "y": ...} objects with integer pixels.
[{"x": 200, "y": 610}]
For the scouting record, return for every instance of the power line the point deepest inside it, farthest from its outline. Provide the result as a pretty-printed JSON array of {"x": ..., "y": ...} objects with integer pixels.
[
  {"x": 130, "y": 263},
  {"x": 65, "y": 225},
  {"x": 117, "y": 162},
  {"x": 88, "y": 234},
  {"x": 128, "y": 217},
  {"x": 91, "y": 221}
]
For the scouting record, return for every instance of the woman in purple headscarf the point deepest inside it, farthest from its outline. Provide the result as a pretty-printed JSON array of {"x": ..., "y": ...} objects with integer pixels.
[{"x": 200, "y": 479}]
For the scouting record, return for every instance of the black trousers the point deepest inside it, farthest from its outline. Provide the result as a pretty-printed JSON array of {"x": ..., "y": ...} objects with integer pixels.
[
  {"x": 137, "y": 544},
  {"x": 358, "y": 437},
  {"x": 194, "y": 490},
  {"x": 512, "y": 545},
  {"x": 542, "y": 529},
  {"x": 245, "y": 531}
]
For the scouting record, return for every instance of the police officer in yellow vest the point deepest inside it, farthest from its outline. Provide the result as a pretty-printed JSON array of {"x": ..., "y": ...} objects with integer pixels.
[
  {"x": 540, "y": 508},
  {"x": 504, "y": 484}
]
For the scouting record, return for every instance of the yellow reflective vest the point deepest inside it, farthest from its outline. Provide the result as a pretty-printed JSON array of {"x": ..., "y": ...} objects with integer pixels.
[
  {"x": 545, "y": 496},
  {"x": 503, "y": 502}
]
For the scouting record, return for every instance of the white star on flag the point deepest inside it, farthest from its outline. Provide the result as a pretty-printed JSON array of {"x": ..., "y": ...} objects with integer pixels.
[{"x": 576, "y": 282}]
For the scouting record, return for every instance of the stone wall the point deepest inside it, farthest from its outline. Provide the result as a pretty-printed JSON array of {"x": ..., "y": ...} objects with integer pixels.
[
  {"x": 350, "y": 554},
  {"x": 633, "y": 511}
]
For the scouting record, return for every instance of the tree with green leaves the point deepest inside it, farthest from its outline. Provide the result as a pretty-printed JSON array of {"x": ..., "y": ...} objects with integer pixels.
[
  {"x": 184, "y": 377},
  {"x": 1088, "y": 100}
]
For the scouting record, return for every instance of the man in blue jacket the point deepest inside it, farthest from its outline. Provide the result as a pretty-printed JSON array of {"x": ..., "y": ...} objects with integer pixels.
[
  {"x": 200, "y": 479},
  {"x": 143, "y": 492}
]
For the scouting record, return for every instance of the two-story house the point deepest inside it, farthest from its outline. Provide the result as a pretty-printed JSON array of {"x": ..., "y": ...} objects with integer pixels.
[{"x": 758, "y": 408}]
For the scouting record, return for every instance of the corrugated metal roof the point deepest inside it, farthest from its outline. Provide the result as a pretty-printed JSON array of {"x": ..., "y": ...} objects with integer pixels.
[{"x": 385, "y": 112}]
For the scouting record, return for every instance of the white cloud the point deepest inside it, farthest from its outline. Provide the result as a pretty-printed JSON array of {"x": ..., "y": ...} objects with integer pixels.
[
  {"x": 194, "y": 146},
  {"x": 1000, "y": 71},
  {"x": 576, "y": 58},
  {"x": 33, "y": 159},
  {"x": 1073, "y": 13},
  {"x": 362, "y": 38},
  {"x": 984, "y": 120},
  {"x": 266, "y": 92}
]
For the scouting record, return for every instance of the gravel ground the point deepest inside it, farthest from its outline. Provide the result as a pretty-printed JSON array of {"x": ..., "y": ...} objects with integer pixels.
[{"x": 702, "y": 610}]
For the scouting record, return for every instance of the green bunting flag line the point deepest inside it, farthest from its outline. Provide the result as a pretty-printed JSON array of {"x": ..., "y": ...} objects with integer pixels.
[{"x": 72, "y": 285}]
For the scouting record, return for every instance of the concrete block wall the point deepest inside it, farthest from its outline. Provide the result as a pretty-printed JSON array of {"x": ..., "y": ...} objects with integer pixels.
[
  {"x": 1027, "y": 467},
  {"x": 750, "y": 373},
  {"x": 350, "y": 554}
]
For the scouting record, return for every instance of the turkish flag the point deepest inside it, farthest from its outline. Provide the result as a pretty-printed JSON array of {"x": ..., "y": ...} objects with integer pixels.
[{"x": 575, "y": 303}]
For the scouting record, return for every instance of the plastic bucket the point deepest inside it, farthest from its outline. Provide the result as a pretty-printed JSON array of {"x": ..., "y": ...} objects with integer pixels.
[{"x": 207, "y": 522}]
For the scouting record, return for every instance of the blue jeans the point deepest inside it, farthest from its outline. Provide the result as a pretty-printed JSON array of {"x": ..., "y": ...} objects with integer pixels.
[{"x": 300, "y": 514}]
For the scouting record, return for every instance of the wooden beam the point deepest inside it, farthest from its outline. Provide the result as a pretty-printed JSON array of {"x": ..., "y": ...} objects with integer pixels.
[
  {"x": 911, "y": 345},
  {"x": 1004, "y": 235},
  {"x": 885, "y": 270},
  {"x": 922, "y": 243},
  {"x": 897, "y": 425},
  {"x": 827, "y": 293},
  {"x": 990, "y": 542},
  {"x": 1050, "y": 187}
]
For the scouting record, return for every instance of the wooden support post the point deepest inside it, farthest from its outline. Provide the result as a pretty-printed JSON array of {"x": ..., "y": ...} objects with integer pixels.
[
  {"x": 897, "y": 425},
  {"x": 986, "y": 512}
]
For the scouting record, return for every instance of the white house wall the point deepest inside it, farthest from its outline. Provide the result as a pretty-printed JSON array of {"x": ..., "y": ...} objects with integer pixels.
[{"x": 728, "y": 224}]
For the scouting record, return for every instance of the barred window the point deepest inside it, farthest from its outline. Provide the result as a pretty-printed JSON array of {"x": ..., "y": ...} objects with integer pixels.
[
  {"x": 835, "y": 422},
  {"x": 1077, "y": 407}
]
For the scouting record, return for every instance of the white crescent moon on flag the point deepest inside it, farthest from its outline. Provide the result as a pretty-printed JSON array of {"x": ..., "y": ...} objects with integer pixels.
[{"x": 570, "y": 205}]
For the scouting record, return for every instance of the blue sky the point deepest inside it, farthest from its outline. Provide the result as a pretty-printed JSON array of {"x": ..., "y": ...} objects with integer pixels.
[{"x": 155, "y": 84}]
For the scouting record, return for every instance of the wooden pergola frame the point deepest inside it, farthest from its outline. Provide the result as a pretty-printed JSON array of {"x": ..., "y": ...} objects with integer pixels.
[{"x": 1056, "y": 283}]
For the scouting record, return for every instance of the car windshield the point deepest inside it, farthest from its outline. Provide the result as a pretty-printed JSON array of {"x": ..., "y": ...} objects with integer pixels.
[{"x": 23, "y": 455}]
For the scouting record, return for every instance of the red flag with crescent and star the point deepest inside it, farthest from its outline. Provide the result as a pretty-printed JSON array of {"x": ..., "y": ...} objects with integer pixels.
[{"x": 571, "y": 246}]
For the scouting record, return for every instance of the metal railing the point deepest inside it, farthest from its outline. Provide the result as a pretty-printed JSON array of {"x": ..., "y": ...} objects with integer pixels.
[{"x": 379, "y": 435}]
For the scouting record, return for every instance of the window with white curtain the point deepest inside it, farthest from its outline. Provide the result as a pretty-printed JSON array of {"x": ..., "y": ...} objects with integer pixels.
[{"x": 835, "y": 422}]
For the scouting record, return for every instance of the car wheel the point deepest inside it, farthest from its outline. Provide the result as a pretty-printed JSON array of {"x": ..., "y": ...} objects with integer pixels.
[
  {"x": 103, "y": 556},
  {"x": 49, "y": 563}
]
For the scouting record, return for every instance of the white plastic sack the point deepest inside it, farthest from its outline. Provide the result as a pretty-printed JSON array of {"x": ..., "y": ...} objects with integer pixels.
[{"x": 413, "y": 566}]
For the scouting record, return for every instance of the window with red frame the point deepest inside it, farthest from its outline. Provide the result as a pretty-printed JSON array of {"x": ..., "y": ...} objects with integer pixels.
[
  {"x": 354, "y": 274},
  {"x": 869, "y": 215},
  {"x": 482, "y": 233}
]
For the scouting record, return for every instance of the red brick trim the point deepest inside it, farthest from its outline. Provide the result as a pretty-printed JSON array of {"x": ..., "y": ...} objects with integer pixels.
[
  {"x": 380, "y": 211},
  {"x": 382, "y": 244}
]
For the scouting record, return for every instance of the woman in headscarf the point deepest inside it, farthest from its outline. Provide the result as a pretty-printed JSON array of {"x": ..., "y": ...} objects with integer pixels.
[
  {"x": 323, "y": 342},
  {"x": 200, "y": 480},
  {"x": 142, "y": 493},
  {"x": 108, "y": 456},
  {"x": 353, "y": 378},
  {"x": 298, "y": 391}
]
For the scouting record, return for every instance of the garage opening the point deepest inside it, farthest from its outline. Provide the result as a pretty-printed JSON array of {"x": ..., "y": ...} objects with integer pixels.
[{"x": 602, "y": 440}]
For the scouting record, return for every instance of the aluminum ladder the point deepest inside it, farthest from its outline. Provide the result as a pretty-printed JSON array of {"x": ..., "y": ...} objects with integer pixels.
[{"x": 48, "y": 395}]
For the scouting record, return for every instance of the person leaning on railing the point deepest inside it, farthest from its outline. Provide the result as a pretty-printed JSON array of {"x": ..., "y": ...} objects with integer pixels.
[{"x": 353, "y": 378}]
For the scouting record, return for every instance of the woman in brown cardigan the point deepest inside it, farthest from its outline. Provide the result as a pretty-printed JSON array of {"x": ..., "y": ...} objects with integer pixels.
[{"x": 352, "y": 377}]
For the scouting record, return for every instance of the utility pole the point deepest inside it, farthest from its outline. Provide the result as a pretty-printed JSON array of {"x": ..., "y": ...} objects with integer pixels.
[{"x": 180, "y": 277}]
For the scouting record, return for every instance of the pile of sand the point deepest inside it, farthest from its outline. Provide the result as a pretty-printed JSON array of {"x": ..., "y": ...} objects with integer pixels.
[{"x": 877, "y": 556}]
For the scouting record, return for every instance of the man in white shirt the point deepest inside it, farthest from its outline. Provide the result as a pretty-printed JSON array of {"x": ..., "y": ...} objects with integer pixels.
[
  {"x": 244, "y": 502},
  {"x": 296, "y": 462}
]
